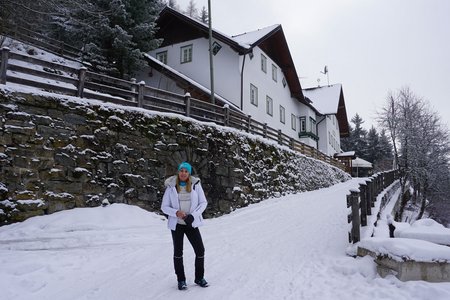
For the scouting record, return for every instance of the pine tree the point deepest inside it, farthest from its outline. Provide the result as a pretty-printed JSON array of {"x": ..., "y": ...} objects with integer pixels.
[
  {"x": 113, "y": 34},
  {"x": 204, "y": 17},
  {"x": 347, "y": 142},
  {"x": 359, "y": 137},
  {"x": 373, "y": 146}
]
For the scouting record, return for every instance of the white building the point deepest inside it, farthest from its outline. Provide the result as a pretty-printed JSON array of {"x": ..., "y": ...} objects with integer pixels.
[
  {"x": 253, "y": 71},
  {"x": 332, "y": 122}
]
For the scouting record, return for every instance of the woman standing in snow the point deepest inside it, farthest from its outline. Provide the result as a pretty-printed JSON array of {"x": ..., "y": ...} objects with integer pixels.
[{"x": 184, "y": 202}]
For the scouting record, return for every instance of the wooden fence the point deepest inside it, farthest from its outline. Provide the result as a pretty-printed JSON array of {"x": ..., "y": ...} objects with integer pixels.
[
  {"x": 56, "y": 78},
  {"x": 361, "y": 202}
]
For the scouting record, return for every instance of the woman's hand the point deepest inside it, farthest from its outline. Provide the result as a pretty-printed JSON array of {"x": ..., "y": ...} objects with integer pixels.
[{"x": 181, "y": 214}]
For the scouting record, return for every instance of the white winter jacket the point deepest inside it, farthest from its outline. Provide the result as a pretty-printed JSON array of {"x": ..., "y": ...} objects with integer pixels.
[{"x": 170, "y": 204}]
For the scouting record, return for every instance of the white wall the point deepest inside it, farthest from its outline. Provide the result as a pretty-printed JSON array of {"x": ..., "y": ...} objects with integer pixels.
[
  {"x": 153, "y": 78},
  {"x": 226, "y": 67},
  {"x": 329, "y": 141},
  {"x": 268, "y": 87},
  {"x": 227, "y": 83}
]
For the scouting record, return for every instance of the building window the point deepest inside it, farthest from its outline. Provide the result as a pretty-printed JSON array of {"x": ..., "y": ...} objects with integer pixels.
[
  {"x": 302, "y": 124},
  {"x": 263, "y": 63},
  {"x": 274, "y": 73},
  {"x": 186, "y": 54},
  {"x": 216, "y": 48},
  {"x": 282, "y": 115},
  {"x": 284, "y": 82},
  {"x": 312, "y": 124},
  {"x": 293, "y": 122},
  {"x": 253, "y": 95},
  {"x": 162, "y": 57},
  {"x": 269, "y": 106}
]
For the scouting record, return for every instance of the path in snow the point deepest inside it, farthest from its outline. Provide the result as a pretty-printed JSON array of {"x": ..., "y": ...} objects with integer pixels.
[{"x": 292, "y": 247}]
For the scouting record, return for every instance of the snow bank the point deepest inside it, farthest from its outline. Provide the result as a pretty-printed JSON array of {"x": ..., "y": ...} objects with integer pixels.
[
  {"x": 424, "y": 229},
  {"x": 401, "y": 249}
]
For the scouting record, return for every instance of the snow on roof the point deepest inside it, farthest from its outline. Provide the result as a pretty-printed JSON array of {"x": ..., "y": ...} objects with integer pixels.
[
  {"x": 248, "y": 39},
  {"x": 325, "y": 98},
  {"x": 345, "y": 154},
  {"x": 361, "y": 163}
]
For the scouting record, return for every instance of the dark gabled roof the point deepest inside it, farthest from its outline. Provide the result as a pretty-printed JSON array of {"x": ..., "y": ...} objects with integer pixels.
[{"x": 175, "y": 27}]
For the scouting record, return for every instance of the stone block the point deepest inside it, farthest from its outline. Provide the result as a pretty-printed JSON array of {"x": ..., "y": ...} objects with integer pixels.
[
  {"x": 407, "y": 270},
  {"x": 74, "y": 119}
]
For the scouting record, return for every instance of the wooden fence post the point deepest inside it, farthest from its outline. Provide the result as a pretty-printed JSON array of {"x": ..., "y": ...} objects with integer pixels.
[
  {"x": 368, "y": 197},
  {"x": 81, "y": 80},
  {"x": 362, "y": 194},
  {"x": 141, "y": 88},
  {"x": 265, "y": 130},
  {"x": 372, "y": 193},
  {"x": 355, "y": 231},
  {"x": 133, "y": 89},
  {"x": 280, "y": 139},
  {"x": 249, "y": 123},
  {"x": 292, "y": 143},
  {"x": 187, "y": 102},
  {"x": 4, "y": 65},
  {"x": 349, "y": 217}
]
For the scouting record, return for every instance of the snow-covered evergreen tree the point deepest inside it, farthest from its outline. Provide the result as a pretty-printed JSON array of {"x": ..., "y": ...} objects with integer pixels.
[
  {"x": 373, "y": 151},
  {"x": 204, "y": 17},
  {"x": 116, "y": 33},
  {"x": 358, "y": 137},
  {"x": 112, "y": 34}
]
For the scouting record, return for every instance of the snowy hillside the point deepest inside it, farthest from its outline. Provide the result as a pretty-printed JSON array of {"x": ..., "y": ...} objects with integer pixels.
[{"x": 291, "y": 247}]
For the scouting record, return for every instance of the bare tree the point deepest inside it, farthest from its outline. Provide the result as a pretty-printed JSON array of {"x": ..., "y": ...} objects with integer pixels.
[
  {"x": 191, "y": 10},
  {"x": 421, "y": 145}
]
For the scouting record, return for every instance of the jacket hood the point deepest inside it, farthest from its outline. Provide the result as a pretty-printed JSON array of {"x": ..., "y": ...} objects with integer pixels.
[{"x": 172, "y": 181}]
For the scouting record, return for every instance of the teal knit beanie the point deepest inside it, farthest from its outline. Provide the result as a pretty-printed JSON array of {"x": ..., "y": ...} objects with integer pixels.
[{"x": 185, "y": 165}]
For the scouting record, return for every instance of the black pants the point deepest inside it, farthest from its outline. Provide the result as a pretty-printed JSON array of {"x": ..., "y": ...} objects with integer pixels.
[{"x": 194, "y": 237}]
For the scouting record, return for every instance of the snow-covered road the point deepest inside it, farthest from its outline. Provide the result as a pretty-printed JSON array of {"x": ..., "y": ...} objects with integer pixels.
[{"x": 291, "y": 247}]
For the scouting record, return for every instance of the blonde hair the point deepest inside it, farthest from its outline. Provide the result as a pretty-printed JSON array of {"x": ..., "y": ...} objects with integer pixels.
[{"x": 188, "y": 184}]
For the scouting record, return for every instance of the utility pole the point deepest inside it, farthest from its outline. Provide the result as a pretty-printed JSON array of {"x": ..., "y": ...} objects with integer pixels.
[{"x": 211, "y": 68}]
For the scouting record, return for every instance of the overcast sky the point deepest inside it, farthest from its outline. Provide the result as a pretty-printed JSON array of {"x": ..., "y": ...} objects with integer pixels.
[{"x": 370, "y": 46}]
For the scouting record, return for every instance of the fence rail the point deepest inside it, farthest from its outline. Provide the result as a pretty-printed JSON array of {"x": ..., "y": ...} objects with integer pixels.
[
  {"x": 80, "y": 82},
  {"x": 361, "y": 202}
]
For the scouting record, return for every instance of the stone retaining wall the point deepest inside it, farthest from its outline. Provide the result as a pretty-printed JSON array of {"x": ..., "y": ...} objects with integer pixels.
[{"x": 58, "y": 153}]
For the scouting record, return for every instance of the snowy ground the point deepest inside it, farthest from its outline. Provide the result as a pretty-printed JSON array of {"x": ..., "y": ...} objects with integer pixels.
[{"x": 286, "y": 248}]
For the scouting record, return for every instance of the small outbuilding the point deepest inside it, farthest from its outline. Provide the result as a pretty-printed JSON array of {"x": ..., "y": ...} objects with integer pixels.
[{"x": 361, "y": 168}]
